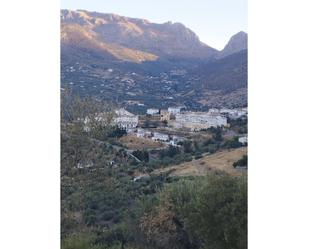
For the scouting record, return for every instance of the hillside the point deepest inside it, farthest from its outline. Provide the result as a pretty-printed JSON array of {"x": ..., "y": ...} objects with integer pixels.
[
  {"x": 237, "y": 43},
  {"x": 130, "y": 38},
  {"x": 138, "y": 64},
  {"x": 229, "y": 73},
  {"x": 222, "y": 160}
]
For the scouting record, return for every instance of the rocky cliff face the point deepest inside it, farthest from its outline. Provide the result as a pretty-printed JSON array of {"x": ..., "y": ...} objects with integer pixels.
[
  {"x": 130, "y": 38},
  {"x": 237, "y": 43}
]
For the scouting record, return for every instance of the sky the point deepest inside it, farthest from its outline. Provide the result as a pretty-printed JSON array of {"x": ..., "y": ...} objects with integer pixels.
[{"x": 214, "y": 21}]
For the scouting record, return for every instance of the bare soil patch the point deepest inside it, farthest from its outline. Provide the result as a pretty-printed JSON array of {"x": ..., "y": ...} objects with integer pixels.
[{"x": 136, "y": 143}]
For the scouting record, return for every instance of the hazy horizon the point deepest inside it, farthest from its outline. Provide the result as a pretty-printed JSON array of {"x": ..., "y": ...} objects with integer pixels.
[{"x": 214, "y": 22}]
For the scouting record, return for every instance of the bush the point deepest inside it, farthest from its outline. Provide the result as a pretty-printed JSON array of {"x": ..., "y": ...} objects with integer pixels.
[
  {"x": 142, "y": 155},
  {"x": 212, "y": 148},
  {"x": 206, "y": 212},
  {"x": 80, "y": 241},
  {"x": 233, "y": 143},
  {"x": 198, "y": 156},
  {"x": 243, "y": 162}
]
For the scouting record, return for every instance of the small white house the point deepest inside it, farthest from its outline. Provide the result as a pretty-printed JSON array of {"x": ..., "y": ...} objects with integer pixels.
[
  {"x": 243, "y": 140},
  {"x": 174, "y": 110},
  {"x": 87, "y": 164},
  {"x": 160, "y": 137},
  {"x": 140, "y": 132},
  {"x": 126, "y": 120},
  {"x": 152, "y": 111},
  {"x": 214, "y": 110}
]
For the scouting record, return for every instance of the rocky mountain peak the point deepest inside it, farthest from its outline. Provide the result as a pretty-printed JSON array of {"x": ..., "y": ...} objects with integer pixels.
[{"x": 237, "y": 43}]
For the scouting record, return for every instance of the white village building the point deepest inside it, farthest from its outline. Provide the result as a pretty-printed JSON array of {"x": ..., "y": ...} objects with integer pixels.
[
  {"x": 214, "y": 110},
  {"x": 199, "y": 120},
  {"x": 160, "y": 137},
  {"x": 152, "y": 111},
  {"x": 125, "y": 120},
  {"x": 234, "y": 113},
  {"x": 176, "y": 139},
  {"x": 174, "y": 110},
  {"x": 243, "y": 140},
  {"x": 140, "y": 132}
]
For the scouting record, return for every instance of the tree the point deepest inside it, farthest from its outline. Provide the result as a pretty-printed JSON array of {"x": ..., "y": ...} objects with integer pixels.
[
  {"x": 142, "y": 155},
  {"x": 207, "y": 212},
  {"x": 187, "y": 146},
  {"x": 218, "y": 215},
  {"x": 172, "y": 151},
  {"x": 243, "y": 162}
]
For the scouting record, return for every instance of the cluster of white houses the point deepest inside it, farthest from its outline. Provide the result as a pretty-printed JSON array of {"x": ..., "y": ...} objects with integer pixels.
[
  {"x": 122, "y": 118},
  {"x": 126, "y": 120},
  {"x": 231, "y": 113},
  {"x": 158, "y": 136},
  {"x": 177, "y": 118},
  {"x": 195, "y": 121},
  {"x": 199, "y": 120}
]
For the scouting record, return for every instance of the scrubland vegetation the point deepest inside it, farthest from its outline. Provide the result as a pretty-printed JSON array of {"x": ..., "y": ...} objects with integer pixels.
[{"x": 102, "y": 207}]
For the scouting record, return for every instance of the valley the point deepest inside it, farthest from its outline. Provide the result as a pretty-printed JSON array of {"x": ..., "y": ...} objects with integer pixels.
[
  {"x": 189, "y": 73},
  {"x": 153, "y": 136}
]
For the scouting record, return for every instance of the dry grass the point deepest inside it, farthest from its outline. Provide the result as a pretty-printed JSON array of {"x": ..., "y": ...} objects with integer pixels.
[
  {"x": 222, "y": 161},
  {"x": 136, "y": 143}
]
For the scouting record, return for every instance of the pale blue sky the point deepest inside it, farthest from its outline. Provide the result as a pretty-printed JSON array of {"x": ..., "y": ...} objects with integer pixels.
[{"x": 214, "y": 21}]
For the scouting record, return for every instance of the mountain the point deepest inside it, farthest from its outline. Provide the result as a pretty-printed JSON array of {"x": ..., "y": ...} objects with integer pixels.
[
  {"x": 130, "y": 39},
  {"x": 138, "y": 64},
  {"x": 238, "y": 42},
  {"x": 227, "y": 74}
]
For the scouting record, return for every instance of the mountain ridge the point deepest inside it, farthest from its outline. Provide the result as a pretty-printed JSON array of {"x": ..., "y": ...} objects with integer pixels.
[
  {"x": 128, "y": 60},
  {"x": 236, "y": 43},
  {"x": 160, "y": 40}
]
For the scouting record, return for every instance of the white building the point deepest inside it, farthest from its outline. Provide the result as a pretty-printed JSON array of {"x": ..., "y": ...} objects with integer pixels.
[
  {"x": 243, "y": 140},
  {"x": 160, "y": 137},
  {"x": 214, "y": 110},
  {"x": 152, "y": 111},
  {"x": 175, "y": 140},
  {"x": 234, "y": 113},
  {"x": 140, "y": 132},
  {"x": 174, "y": 110},
  {"x": 82, "y": 165},
  {"x": 126, "y": 120},
  {"x": 200, "y": 120}
]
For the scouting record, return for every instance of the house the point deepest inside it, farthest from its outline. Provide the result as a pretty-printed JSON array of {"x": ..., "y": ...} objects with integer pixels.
[
  {"x": 140, "y": 132},
  {"x": 214, "y": 110},
  {"x": 234, "y": 113},
  {"x": 243, "y": 140},
  {"x": 196, "y": 121},
  {"x": 152, "y": 111},
  {"x": 175, "y": 140},
  {"x": 125, "y": 120},
  {"x": 160, "y": 137},
  {"x": 148, "y": 134},
  {"x": 174, "y": 110},
  {"x": 82, "y": 165}
]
